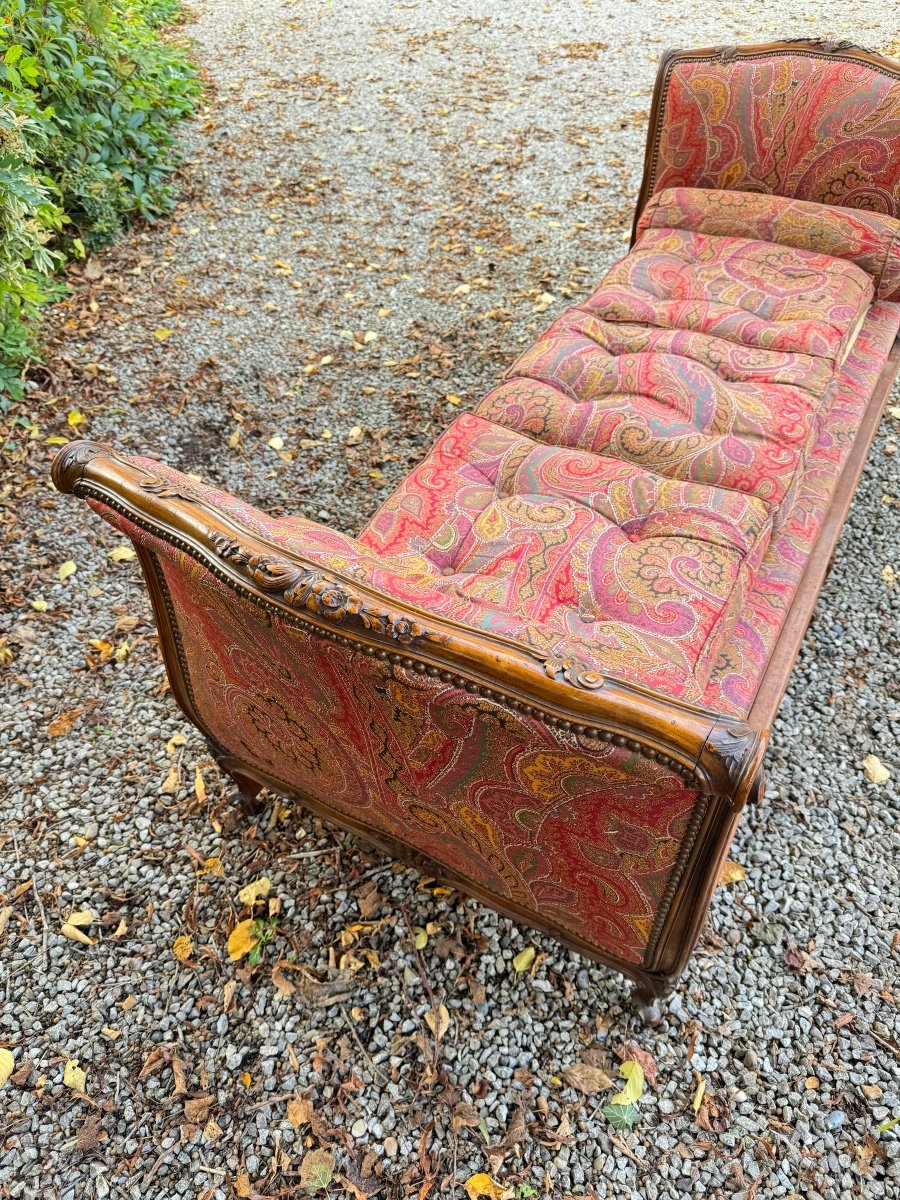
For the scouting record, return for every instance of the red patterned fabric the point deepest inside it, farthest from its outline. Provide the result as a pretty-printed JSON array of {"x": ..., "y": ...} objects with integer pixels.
[
  {"x": 579, "y": 833},
  {"x": 871, "y": 240},
  {"x": 744, "y": 655},
  {"x": 814, "y": 127},
  {"x": 578, "y": 542},
  {"x": 699, "y": 357}
]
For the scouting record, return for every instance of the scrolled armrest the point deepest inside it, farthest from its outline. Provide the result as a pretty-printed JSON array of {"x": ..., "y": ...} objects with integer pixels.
[{"x": 387, "y": 607}]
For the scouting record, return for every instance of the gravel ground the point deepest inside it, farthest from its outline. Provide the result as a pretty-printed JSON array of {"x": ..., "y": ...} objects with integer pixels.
[{"x": 447, "y": 177}]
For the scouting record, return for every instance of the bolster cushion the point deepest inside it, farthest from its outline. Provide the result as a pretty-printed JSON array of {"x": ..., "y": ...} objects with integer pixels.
[{"x": 869, "y": 239}]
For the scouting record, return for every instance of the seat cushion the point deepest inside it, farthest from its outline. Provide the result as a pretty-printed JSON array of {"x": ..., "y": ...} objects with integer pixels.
[
  {"x": 576, "y": 541},
  {"x": 700, "y": 357}
]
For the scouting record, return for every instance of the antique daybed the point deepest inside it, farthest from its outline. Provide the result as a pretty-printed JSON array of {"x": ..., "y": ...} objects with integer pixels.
[{"x": 547, "y": 667}]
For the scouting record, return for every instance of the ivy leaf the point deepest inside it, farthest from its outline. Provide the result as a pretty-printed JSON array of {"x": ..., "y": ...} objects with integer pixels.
[{"x": 622, "y": 1116}]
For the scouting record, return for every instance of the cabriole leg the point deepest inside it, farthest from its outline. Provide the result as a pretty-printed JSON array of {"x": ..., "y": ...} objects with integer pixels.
[{"x": 247, "y": 791}]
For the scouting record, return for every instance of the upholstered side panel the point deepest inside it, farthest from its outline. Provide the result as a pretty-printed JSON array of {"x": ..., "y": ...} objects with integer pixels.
[
  {"x": 580, "y": 833},
  {"x": 813, "y": 126}
]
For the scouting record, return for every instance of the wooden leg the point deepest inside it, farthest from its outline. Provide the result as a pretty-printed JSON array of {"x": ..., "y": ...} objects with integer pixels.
[
  {"x": 649, "y": 999},
  {"x": 246, "y": 794}
]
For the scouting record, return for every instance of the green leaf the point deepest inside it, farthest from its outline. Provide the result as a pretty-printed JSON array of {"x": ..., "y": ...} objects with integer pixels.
[
  {"x": 886, "y": 1125},
  {"x": 622, "y": 1116},
  {"x": 316, "y": 1170},
  {"x": 13, "y": 54}
]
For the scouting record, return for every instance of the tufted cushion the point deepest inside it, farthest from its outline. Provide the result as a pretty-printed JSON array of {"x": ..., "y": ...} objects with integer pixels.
[
  {"x": 577, "y": 541},
  {"x": 869, "y": 239},
  {"x": 700, "y": 357}
]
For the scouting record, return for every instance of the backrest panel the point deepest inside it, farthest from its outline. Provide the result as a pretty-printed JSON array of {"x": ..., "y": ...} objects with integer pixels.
[{"x": 809, "y": 120}]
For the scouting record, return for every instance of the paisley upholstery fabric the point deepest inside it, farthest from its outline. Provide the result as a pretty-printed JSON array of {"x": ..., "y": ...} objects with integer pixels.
[
  {"x": 871, "y": 240},
  {"x": 810, "y": 126},
  {"x": 641, "y": 493},
  {"x": 579, "y": 833},
  {"x": 744, "y": 655},
  {"x": 699, "y": 357},
  {"x": 577, "y": 541}
]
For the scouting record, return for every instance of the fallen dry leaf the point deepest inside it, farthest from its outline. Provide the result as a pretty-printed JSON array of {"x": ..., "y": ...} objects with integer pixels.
[
  {"x": 524, "y": 959},
  {"x": 586, "y": 1079},
  {"x": 252, "y": 893},
  {"x": 438, "y": 1022},
  {"x": 73, "y": 1076},
  {"x": 7, "y": 1065},
  {"x": 64, "y": 722},
  {"x": 242, "y": 939},
  {"x": 483, "y": 1185},
  {"x": 316, "y": 1170},
  {"x": 876, "y": 771},
  {"x": 197, "y": 1110},
  {"x": 732, "y": 872},
  {"x": 69, "y": 567},
  {"x": 299, "y": 1111},
  {"x": 183, "y": 947},
  {"x": 122, "y": 553}
]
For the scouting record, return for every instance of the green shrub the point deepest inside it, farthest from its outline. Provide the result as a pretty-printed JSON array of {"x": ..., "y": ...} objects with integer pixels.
[{"x": 89, "y": 96}]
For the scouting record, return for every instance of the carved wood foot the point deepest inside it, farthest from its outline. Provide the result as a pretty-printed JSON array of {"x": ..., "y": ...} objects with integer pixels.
[
  {"x": 247, "y": 791},
  {"x": 648, "y": 1000}
]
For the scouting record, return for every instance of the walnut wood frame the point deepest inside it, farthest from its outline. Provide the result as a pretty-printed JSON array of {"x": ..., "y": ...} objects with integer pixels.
[{"x": 721, "y": 756}]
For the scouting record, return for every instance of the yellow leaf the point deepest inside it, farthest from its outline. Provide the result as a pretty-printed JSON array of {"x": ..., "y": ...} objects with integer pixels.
[
  {"x": 355, "y": 435},
  {"x": 83, "y": 916},
  {"x": 370, "y": 336},
  {"x": 214, "y": 866},
  {"x": 109, "y": 1031},
  {"x": 74, "y": 934},
  {"x": 161, "y": 334},
  {"x": 73, "y": 1076},
  {"x": 75, "y": 418},
  {"x": 122, "y": 651},
  {"x": 277, "y": 443},
  {"x": 56, "y": 441},
  {"x": 234, "y": 439},
  {"x": 524, "y": 959},
  {"x": 438, "y": 1022},
  {"x": 170, "y": 783},
  {"x": 482, "y": 1185},
  {"x": 121, "y": 929},
  {"x": 633, "y": 1072},
  {"x": 7, "y": 1062},
  {"x": 462, "y": 290},
  {"x": 183, "y": 947},
  {"x": 242, "y": 939},
  {"x": 123, "y": 553},
  {"x": 699, "y": 1093},
  {"x": 421, "y": 937},
  {"x": 69, "y": 567},
  {"x": 39, "y": 605},
  {"x": 252, "y": 893},
  {"x": 172, "y": 744},
  {"x": 452, "y": 398},
  {"x": 876, "y": 771},
  {"x": 732, "y": 872},
  {"x": 199, "y": 785},
  {"x": 385, "y": 312}
]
